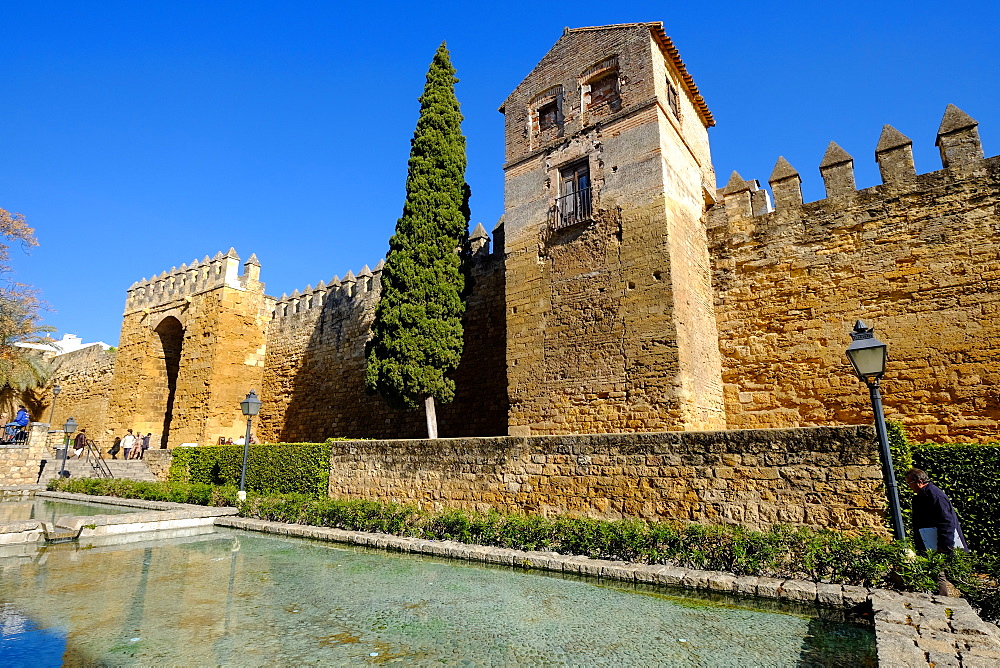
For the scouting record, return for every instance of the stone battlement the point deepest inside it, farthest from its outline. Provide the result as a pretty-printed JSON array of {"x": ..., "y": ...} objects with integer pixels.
[
  {"x": 311, "y": 300},
  {"x": 189, "y": 280},
  {"x": 363, "y": 286},
  {"x": 957, "y": 140}
]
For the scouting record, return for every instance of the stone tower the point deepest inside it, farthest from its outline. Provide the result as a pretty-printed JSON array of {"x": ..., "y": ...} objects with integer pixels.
[
  {"x": 610, "y": 314},
  {"x": 192, "y": 346}
]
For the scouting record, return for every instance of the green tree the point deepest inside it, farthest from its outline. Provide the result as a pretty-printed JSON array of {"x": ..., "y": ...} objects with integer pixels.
[
  {"x": 417, "y": 333},
  {"x": 22, "y": 370}
]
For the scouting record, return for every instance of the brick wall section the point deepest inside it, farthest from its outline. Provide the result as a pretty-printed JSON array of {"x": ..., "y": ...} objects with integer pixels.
[
  {"x": 918, "y": 258},
  {"x": 314, "y": 384},
  {"x": 84, "y": 377},
  {"x": 820, "y": 477}
]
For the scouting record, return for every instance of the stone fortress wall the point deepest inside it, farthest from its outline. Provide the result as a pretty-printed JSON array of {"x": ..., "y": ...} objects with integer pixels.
[
  {"x": 85, "y": 378},
  {"x": 611, "y": 323},
  {"x": 673, "y": 306},
  {"x": 314, "y": 384},
  {"x": 918, "y": 256}
]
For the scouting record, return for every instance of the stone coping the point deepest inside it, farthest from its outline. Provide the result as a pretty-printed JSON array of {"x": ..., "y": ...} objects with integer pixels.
[
  {"x": 19, "y": 526},
  {"x": 199, "y": 511},
  {"x": 157, "y": 515}
]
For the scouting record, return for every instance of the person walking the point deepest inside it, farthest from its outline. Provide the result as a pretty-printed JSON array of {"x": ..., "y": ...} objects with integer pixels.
[
  {"x": 79, "y": 443},
  {"x": 935, "y": 522},
  {"x": 128, "y": 441},
  {"x": 145, "y": 445}
]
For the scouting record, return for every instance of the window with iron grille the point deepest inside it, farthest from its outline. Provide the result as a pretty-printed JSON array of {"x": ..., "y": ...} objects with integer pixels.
[{"x": 574, "y": 204}]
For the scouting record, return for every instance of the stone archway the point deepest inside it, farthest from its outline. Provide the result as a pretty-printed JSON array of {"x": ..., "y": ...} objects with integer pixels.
[{"x": 171, "y": 339}]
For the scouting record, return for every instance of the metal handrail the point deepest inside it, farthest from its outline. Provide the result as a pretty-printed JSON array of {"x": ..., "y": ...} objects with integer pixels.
[
  {"x": 95, "y": 459},
  {"x": 571, "y": 209}
]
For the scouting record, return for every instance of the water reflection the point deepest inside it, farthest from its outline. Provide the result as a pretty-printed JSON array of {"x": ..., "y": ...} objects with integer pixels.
[{"x": 250, "y": 599}]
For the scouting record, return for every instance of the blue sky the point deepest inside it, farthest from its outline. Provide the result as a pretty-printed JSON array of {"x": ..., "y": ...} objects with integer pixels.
[{"x": 136, "y": 136}]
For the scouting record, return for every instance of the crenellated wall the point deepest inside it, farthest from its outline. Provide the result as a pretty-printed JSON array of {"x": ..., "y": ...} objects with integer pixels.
[
  {"x": 633, "y": 298},
  {"x": 314, "y": 372},
  {"x": 192, "y": 346},
  {"x": 206, "y": 275},
  {"x": 918, "y": 257}
]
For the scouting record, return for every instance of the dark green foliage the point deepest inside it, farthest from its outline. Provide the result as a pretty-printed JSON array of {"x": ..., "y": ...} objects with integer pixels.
[
  {"x": 285, "y": 468},
  {"x": 417, "y": 333},
  {"x": 969, "y": 475},
  {"x": 199, "y": 494}
]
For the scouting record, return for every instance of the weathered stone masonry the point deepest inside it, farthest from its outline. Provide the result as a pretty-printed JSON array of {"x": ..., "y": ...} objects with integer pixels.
[
  {"x": 820, "y": 477},
  {"x": 919, "y": 256},
  {"x": 314, "y": 381},
  {"x": 625, "y": 293}
]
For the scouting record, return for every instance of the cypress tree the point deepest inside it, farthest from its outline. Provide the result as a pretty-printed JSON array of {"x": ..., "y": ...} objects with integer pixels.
[{"x": 417, "y": 333}]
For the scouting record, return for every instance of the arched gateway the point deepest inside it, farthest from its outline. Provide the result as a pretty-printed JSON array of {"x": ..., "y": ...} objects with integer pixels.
[{"x": 192, "y": 346}]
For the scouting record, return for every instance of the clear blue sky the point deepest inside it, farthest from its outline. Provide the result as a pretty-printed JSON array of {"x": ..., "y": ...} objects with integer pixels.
[{"x": 136, "y": 136}]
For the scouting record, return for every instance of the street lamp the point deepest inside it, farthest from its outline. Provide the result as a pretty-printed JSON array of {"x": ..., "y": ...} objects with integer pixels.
[
  {"x": 868, "y": 357},
  {"x": 68, "y": 429},
  {"x": 250, "y": 407},
  {"x": 55, "y": 395}
]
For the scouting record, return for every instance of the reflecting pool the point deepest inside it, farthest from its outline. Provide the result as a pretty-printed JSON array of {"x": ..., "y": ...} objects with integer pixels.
[
  {"x": 239, "y": 598},
  {"x": 47, "y": 510}
]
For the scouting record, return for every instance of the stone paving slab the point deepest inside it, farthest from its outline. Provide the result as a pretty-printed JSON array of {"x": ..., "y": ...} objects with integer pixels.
[{"x": 916, "y": 629}]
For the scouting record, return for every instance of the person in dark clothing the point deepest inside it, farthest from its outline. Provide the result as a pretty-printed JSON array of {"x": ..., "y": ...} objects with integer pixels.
[{"x": 935, "y": 523}]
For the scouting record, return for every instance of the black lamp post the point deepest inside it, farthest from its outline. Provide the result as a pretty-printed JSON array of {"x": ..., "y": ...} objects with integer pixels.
[
  {"x": 250, "y": 407},
  {"x": 68, "y": 429},
  {"x": 55, "y": 395},
  {"x": 868, "y": 356}
]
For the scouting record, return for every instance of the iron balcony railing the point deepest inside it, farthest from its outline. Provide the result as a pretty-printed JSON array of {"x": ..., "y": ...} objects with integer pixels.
[{"x": 571, "y": 209}]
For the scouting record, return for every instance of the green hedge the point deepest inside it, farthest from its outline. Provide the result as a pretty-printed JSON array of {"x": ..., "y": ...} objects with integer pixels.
[
  {"x": 179, "y": 492},
  {"x": 284, "y": 468},
  {"x": 970, "y": 476}
]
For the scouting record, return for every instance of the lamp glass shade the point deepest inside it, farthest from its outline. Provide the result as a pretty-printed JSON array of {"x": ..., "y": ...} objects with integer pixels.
[
  {"x": 70, "y": 426},
  {"x": 56, "y": 390},
  {"x": 250, "y": 405},
  {"x": 868, "y": 357}
]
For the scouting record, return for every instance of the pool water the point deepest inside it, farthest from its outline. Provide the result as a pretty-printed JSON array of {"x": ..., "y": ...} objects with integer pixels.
[
  {"x": 48, "y": 510},
  {"x": 240, "y": 598}
]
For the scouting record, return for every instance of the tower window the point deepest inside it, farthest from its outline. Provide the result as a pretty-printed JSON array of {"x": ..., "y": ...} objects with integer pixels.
[
  {"x": 548, "y": 115},
  {"x": 574, "y": 204},
  {"x": 673, "y": 100},
  {"x": 604, "y": 90}
]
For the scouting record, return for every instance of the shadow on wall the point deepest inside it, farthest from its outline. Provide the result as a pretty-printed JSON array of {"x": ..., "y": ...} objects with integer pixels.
[{"x": 315, "y": 388}]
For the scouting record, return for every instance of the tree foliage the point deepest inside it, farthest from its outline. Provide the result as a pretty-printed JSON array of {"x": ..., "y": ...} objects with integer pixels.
[
  {"x": 22, "y": 370},
  {"x": 417, "y": 332}
]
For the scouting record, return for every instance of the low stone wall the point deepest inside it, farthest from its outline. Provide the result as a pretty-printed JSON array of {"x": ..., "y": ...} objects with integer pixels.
[
  {"x": 158, "y": 462},
  {"x": 19, "y": 463},
  {"x": 822, "y": 477}
]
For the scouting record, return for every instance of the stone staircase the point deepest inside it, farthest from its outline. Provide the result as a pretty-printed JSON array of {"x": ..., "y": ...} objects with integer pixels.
[{"x": 133, "y": 469}]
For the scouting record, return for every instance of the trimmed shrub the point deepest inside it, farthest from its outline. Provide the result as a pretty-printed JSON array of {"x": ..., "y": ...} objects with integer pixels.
[
  {"x": 200, "y": 494},
  {"x": 283, "y": 468}
]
